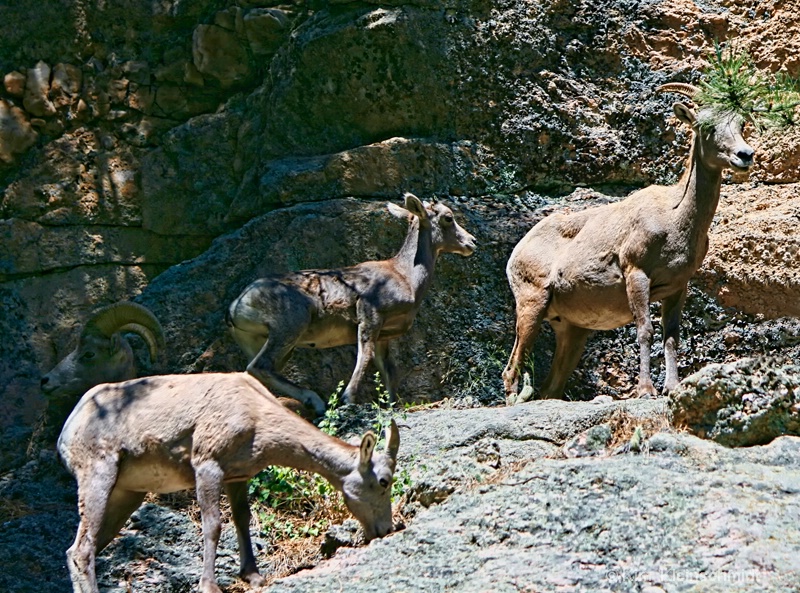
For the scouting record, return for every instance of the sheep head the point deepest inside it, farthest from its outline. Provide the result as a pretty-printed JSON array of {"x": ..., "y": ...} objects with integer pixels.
[
  {"x": 719, "y": 132},
  {"x": 447, "y": 235},
  {"x": 367, "y": 489},
  {"x": 102, "y": 354}
]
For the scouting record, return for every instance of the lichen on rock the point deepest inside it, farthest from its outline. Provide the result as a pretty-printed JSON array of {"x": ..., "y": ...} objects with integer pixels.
[{"x": 748, "y": 402}]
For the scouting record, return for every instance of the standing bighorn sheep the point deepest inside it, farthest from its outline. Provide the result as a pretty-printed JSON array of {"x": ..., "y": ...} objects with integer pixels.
[
  {"x": 602, "y": 267},
  {"x": 208, "y": 431},
  {"x": 102, "y": 354},
  {"x": 368, "y": 304}
]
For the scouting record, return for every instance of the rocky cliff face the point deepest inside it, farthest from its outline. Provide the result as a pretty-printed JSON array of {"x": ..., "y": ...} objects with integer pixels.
[
  {"x": 171, "y": 152},
  {"x": 134, "y": 134}
]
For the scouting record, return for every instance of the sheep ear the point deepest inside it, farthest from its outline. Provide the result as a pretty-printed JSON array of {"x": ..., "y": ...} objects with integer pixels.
[
  {"x": 367, "y": 446},
  {"x": 115, "y": 343},
  {"x": 392, "y": 440},
  {"x": 397, "y": 211},
  {"x": 684, "y": 113},
  {"x": 415, "y": 206}
]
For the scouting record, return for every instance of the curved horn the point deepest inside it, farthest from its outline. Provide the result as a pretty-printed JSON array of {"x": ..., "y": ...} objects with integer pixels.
[
  {"x": 132, "y": 317},
  {"x": 682, "y": 88}
]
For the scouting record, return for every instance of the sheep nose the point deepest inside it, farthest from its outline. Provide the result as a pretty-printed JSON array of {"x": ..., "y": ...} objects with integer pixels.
[
  {"x": 47, "y": 387},
  {"x": 745, "y": 154}
]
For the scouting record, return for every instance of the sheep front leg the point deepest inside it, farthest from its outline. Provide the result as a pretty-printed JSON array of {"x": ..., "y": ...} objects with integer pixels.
[
  {"x": 531, "y": 306},
  {"x": 671, "y": 308},
  {"x": 369, "y": 327},
  {"x": 638, "y": 288},
  {"x": 208, "y": 479}
]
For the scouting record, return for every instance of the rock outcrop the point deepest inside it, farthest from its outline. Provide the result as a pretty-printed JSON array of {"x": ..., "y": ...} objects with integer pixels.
[
  {"x": 690, "y": 516},
  {"x": 750, "y": 402},
  {"x": 171, "y": 152},
  {"x": 493, "y": 505}
]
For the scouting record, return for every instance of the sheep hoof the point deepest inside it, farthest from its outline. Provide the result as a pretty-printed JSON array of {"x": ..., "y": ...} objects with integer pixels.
[
  {"x": 254, "y": 579},
  {"x": 314, "y": 402},
  {"x": 647, "y": 392},
  {"x": 525, "y": 395}
]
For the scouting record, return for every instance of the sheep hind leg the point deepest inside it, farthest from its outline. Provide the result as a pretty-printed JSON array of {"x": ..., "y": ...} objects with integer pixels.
[
  {"x": 531, "y": 309},
  {"x": 570, "y": 344},
  {"x": 387, "y": 369},
  {"x": 121, "y": 503},
  {"x": 671, "y": 308},
  {"x": 266, "y": 365},
  {"x": 240, "y": 509},
  {"x": 95, "y": 484}
]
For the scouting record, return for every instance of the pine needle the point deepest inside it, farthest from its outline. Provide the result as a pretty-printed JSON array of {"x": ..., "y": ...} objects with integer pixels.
[{"x": 733, "y": 84}]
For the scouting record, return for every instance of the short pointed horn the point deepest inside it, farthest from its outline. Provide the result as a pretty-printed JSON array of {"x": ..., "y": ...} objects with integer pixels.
[
  {"x": 682, "y": 88},
  {"x": 132, "y": 317},
  {"x": 392, "y": 440}
]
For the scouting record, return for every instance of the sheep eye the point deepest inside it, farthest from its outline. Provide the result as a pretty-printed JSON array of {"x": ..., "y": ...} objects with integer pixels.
[
  {"x": 448, "y": 218},
  {"x": 384, "y": 483},
  {"x": 87, "y": 355}
]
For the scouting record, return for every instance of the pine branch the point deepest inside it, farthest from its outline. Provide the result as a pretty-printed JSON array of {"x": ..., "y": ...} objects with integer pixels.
[{"x": 733, "y": 84}]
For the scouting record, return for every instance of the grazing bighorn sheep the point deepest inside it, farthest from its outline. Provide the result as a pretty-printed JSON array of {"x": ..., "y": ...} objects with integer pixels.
[
  {"x": 102, "y": 354},
  {"x": 171, "y": 432},
  {"x": 368, "y": 304},
  {"x": 601, "y": 268}
]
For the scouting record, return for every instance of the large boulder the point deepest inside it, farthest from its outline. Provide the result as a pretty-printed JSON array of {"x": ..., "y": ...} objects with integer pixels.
[
  {"x": 494, "y": 505},
  {"x": 749, "y": 402},
  {"x": 753, "y": 251},
  {"x": 690, "y": 516}
]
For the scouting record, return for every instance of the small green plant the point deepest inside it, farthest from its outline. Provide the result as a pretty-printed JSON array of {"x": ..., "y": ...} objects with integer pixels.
[
  {"x": 282, "y": 528},
  {"x": 288, "y": 489},
  {"x": 385, "y": 409},
  {"x": 402, "y": 483},
  {"x": 292, "y": 504},
  {"x": 733, "y": 84},
  {"x": 332, "y": 418}
]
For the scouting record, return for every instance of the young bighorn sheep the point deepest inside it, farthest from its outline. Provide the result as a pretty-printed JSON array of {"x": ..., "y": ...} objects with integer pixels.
[
  {"x": 209, "y": 431},
  {"x": 102, "y": 354},
  {"x": 602, "y": 267},
  {"x": 368, "y": 304}
]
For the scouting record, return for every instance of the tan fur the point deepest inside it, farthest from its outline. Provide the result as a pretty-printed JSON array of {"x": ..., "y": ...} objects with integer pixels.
[
  {"x": 601, "y": 268},
  {"x": 368, "y": 304},
  {"x": 207, "y": 431}
]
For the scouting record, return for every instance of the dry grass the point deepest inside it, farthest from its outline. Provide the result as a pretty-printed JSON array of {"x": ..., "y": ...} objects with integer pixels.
[
  {"x": 289, "y": 549},
  {"x": 13, "y": 509},
  {"x": 505, "y": 471},
  {"x": 294, "y": 531},
  {"x": 624, "y": 424}
]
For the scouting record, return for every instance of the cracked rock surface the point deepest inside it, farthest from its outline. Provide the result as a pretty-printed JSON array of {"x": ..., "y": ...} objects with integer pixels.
[{"x": 688, "y": 516}]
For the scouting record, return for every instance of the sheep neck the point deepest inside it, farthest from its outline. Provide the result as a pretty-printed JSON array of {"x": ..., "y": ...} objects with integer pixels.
[
  {"x": 306, "y": 448},
  {"x": 416, "y": 257},
  {"x": 699, "y": 191}
]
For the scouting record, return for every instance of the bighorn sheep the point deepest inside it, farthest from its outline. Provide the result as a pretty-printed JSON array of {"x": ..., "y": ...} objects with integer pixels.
[
  {"x": 368, "y": 304},
  {"x": 601, "y": 268},
  {"x": 171, "y": 432},
  {"x": 102, "y": 354}
]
